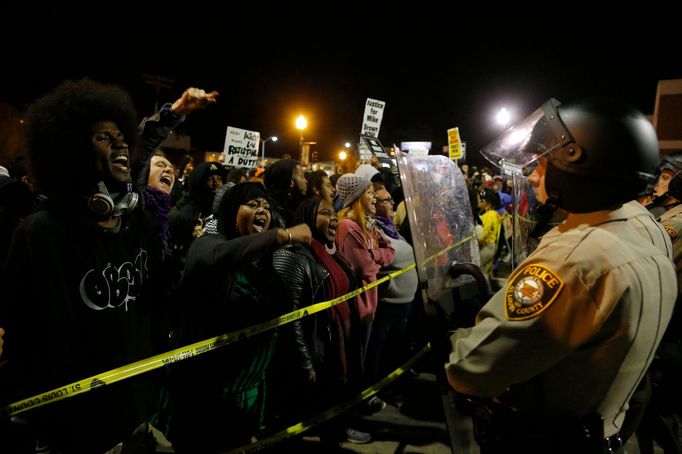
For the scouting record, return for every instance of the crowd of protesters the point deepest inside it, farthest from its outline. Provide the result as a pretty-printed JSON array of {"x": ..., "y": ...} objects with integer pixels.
[{"x": 116, "y": 255}]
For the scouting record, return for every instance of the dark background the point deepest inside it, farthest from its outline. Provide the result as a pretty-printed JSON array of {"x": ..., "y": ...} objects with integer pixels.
[{"x": 432, "y": 74}]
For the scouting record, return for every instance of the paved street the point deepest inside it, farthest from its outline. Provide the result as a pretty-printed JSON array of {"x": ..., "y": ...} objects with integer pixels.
[{"x": 413, "y": 422}]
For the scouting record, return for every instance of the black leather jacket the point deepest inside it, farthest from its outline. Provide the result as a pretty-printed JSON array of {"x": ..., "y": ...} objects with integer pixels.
[{"x": 298, "y": 268}]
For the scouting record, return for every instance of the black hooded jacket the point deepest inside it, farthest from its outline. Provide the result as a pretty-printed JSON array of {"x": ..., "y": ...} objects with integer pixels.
[
  {"x": 196, "y": 205},
  {"x": 277, "y": 179}
]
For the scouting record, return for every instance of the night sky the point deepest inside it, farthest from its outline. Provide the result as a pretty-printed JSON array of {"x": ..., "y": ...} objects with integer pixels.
[{"x": 430, "y": 77}]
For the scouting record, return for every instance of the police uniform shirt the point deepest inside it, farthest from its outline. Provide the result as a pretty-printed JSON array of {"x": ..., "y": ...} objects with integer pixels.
[
  {"x": 576, "y": 326},
  {"x": 672, "y": 222},
  {"x": 646, "y": 225}
]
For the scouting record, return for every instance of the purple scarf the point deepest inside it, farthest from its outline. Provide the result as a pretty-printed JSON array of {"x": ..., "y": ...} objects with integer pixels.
[
  {"x": 387, "y": 226},
  {"x": 158, "y": 205}
]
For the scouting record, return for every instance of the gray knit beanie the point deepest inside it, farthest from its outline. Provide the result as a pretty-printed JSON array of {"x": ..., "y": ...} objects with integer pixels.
[
  {"x": 366, "y": 171},
  {"x": 350, "y": 187}
]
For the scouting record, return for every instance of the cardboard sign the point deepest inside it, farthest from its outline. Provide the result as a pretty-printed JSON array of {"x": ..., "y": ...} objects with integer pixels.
[
  {"x": 241, "y": 148},
  {"x": 371, "y": 120},
  {"x": 454, "y": 143}
]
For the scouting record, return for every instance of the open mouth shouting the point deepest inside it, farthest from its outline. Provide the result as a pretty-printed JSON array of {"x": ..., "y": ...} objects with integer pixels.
[
  {"x": 327, "y": 222},
  {"x": 253, "y": 216},
  {"x": 260, "y": 223},
  {"x": 119, "y": 161},
  {"x": 333, "y": 224},
  {"x": 161, "y": 174},
  {"x": 166, "y": 181},
  {"x": 112, "y": 151},
  {"x": 119, "y": 165}
]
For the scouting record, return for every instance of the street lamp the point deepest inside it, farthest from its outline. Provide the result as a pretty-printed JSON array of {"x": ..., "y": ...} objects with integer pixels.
[
  {"x": 342, "y": 158},
  {"x": 503, "y": 116},
  {"x": 301, "y": 124},
  {"x": 274, "y": 139}
]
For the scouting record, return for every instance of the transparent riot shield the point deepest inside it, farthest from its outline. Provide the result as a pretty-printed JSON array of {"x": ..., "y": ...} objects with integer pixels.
[
  {"x": 439, "y": 212},
  {"x": 524, "y": 219}
]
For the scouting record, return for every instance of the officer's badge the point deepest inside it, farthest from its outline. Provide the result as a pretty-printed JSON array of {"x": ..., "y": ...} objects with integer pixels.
[
  {"x": 530, "y": 292},
  {"x": 672, "y": 232}
]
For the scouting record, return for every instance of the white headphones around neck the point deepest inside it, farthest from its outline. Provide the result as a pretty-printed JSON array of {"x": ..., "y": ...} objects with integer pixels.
[{"x": 103, "y": 205}]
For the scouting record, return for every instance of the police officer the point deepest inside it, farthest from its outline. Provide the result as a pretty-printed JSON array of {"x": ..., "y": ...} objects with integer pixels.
[
  {"x": 662, "y": 199},
  {"x": 565, "y": 343},
  {"x": 651, "y": 231},
  {"x": 666, "y": 370},
  {"x": 672, "y": 203}
]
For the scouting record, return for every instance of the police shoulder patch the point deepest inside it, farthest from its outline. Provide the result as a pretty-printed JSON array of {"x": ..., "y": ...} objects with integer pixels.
[
  {"x": 530, "y": 292},
  {"x": 672, "y": 232}
]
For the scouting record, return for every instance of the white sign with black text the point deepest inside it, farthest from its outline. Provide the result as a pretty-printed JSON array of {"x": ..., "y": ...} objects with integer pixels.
[
  {"x": 241, "y": 148},
  {"x": 371, "y": 120}
]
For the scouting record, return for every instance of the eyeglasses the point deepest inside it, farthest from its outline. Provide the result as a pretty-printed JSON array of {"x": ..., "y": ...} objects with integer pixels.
[{"x": 389, "y": 200}]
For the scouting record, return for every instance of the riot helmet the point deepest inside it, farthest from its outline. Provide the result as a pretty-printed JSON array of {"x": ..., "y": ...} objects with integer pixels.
[{"x": 600, "y": 152}]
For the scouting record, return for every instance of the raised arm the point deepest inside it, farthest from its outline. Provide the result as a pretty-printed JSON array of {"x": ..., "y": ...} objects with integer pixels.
[{"x": 155, "y": 129}]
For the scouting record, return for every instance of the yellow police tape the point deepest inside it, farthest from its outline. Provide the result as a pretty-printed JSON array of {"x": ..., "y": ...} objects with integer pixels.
[
  {"x": 338, "y": 409},
  {"x": 188, "y": 351},
  {"x": 535, "y": 221}
]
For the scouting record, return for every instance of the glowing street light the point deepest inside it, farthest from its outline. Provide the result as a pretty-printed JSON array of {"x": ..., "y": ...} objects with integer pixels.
[
  {"x": 340, "y": 167},
  {"x": 301, "y": 124},
  {"x": 347, "y": 144},
  {"x": 503, "y": 116},
  {"x": 274, "y": 139}
]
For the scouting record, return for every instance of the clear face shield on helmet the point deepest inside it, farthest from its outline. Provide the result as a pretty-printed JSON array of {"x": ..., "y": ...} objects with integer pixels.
[
  {"x": 517, "y": 152},
  {"x": 519, "y": 148}
]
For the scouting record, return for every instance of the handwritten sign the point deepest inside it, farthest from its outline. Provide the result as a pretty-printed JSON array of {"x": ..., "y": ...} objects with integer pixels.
[
  {"x": 371, "y": 120},
  {"x": 241, "y": 148},
  {"x": 455, "y": 143}
]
